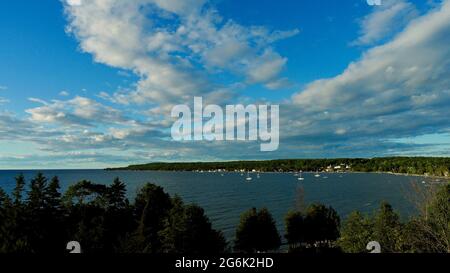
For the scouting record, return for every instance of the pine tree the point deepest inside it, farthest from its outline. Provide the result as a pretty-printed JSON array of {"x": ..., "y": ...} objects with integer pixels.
[
  {"x": 387, "y": 228},
  {"x": 18, "y": 190},
  {"x": 52, "y": 196},
  {"x": 36, "y": 196},
  {"x": 116, "y": 195}
]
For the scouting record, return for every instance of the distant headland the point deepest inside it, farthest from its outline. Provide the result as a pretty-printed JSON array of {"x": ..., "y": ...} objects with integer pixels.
[{"x": 425, "y": 166}]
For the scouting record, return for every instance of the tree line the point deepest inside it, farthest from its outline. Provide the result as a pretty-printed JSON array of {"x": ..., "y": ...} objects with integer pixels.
[
  {"x": 433, "y": 166},
  {"x": 39, "y": 219}
]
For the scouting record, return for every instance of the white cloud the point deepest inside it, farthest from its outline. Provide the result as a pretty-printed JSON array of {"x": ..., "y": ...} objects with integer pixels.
[
  {"x": 398, "y": 89},
  {"x": 385, "y": 20},
  {"x": 36, "y": 100},
  {"x": 74, "y": 2},
  {"x": 266, "y": 68},
  {"x": 279, "y": 84},
  {"x": 175, "y": 47},
  {"x": 79, "y": 111},
  {"x": 3, "y": 87},
  {"x": 64, "y": 93}
]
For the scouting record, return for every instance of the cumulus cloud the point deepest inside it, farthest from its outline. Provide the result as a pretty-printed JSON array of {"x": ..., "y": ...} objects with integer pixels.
[
  {"x": 176, "y": 47},
  {"x": 398, "y": 89},
  {"x": 385, "y": 20},
  {"x": 79, "y": 111}
]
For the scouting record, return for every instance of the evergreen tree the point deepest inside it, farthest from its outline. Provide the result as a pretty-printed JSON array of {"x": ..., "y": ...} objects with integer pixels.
[
  {"x": 18, "y": 190},
  {"x": 387, "y": 228},
  {"x": 116, "y": 195},
  {"x": 13, "y": 237},
  {"x": 36, "y": 196},
  {"x": 356, "y": 233},
  {"x": 52, "y": 219},
  {"x": 257, "y": 232},
  {"x": 152, "y": 206},
  {"x": 53, "y": 196}
]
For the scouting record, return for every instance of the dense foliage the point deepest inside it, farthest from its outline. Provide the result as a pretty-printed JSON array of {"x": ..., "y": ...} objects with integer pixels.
[
  {"x": 254, "y": 226},
  {"x": 427, "y": 233},
  {"x": 102, "y": 219},
  {"x": 432, "y": 166}
]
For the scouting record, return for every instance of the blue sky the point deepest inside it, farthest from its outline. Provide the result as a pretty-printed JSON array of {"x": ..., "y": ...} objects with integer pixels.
[{"x": 90, "y": 84}]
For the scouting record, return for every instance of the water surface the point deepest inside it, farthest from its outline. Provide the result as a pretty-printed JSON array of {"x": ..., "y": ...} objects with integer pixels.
[{"x": 226, "y": 196}]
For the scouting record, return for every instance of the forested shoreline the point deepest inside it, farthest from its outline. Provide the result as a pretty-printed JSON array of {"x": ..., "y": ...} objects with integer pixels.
[
  {"x": 38, "y": 218},
  {"x": 428, "y": 166}
]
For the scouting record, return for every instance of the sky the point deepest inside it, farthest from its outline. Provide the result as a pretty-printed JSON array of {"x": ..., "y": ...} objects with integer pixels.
[{"x": 91, "y": 83}]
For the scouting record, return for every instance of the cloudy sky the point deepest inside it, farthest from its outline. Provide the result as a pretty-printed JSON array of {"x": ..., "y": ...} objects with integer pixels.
[{"x": 91, "y": 83}]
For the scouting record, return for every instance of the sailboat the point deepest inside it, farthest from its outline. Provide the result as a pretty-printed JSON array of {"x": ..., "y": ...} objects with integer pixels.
[
  {"x": 248, "y": 177},
  {"x": 301, "y": 178},
  {"x": 317, "y": 174}
]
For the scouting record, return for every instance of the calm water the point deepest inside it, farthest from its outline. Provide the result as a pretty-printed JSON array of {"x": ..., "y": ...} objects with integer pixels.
[{"x": 225, "y": 197}]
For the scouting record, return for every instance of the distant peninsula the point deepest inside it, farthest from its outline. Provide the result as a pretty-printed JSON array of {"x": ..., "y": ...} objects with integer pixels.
[{"x": 426, "y": 166}]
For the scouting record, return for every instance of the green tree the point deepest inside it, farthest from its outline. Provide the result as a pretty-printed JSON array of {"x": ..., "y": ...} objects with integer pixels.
[
  {"x": 387, "y": 229},
  {"x": 118, "y": 219},
  {"x": 188, "y": 230},
  {"x": 18, "y": 190},
  {"x": 13, "y": 235},
  {"x": 322, "y": 226},
  {"x": 295, "y": 230},
  {"x": 52, "y": 219},
  {"x": 36, "y": 196},
  {"x": 117, "y": 195},
  {"x": 356, "y": 233},
  {"x": 257, "y": 232},
  {"x": 52, "y": 195},
  {"x": 86, "y": 192},
  {"x": 152, "y": 206},
  {"x": 430, "y": 232}
]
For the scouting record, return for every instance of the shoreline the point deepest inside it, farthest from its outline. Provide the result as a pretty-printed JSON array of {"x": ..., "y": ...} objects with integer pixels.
[{"x": 349, "y": 172}]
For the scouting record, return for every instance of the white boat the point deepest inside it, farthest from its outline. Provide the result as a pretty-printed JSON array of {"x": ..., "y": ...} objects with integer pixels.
[
  {"x": 301, "y": 178},
  {"x": 317, "y": 174},
  {"x": 248, "y": 178}
]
